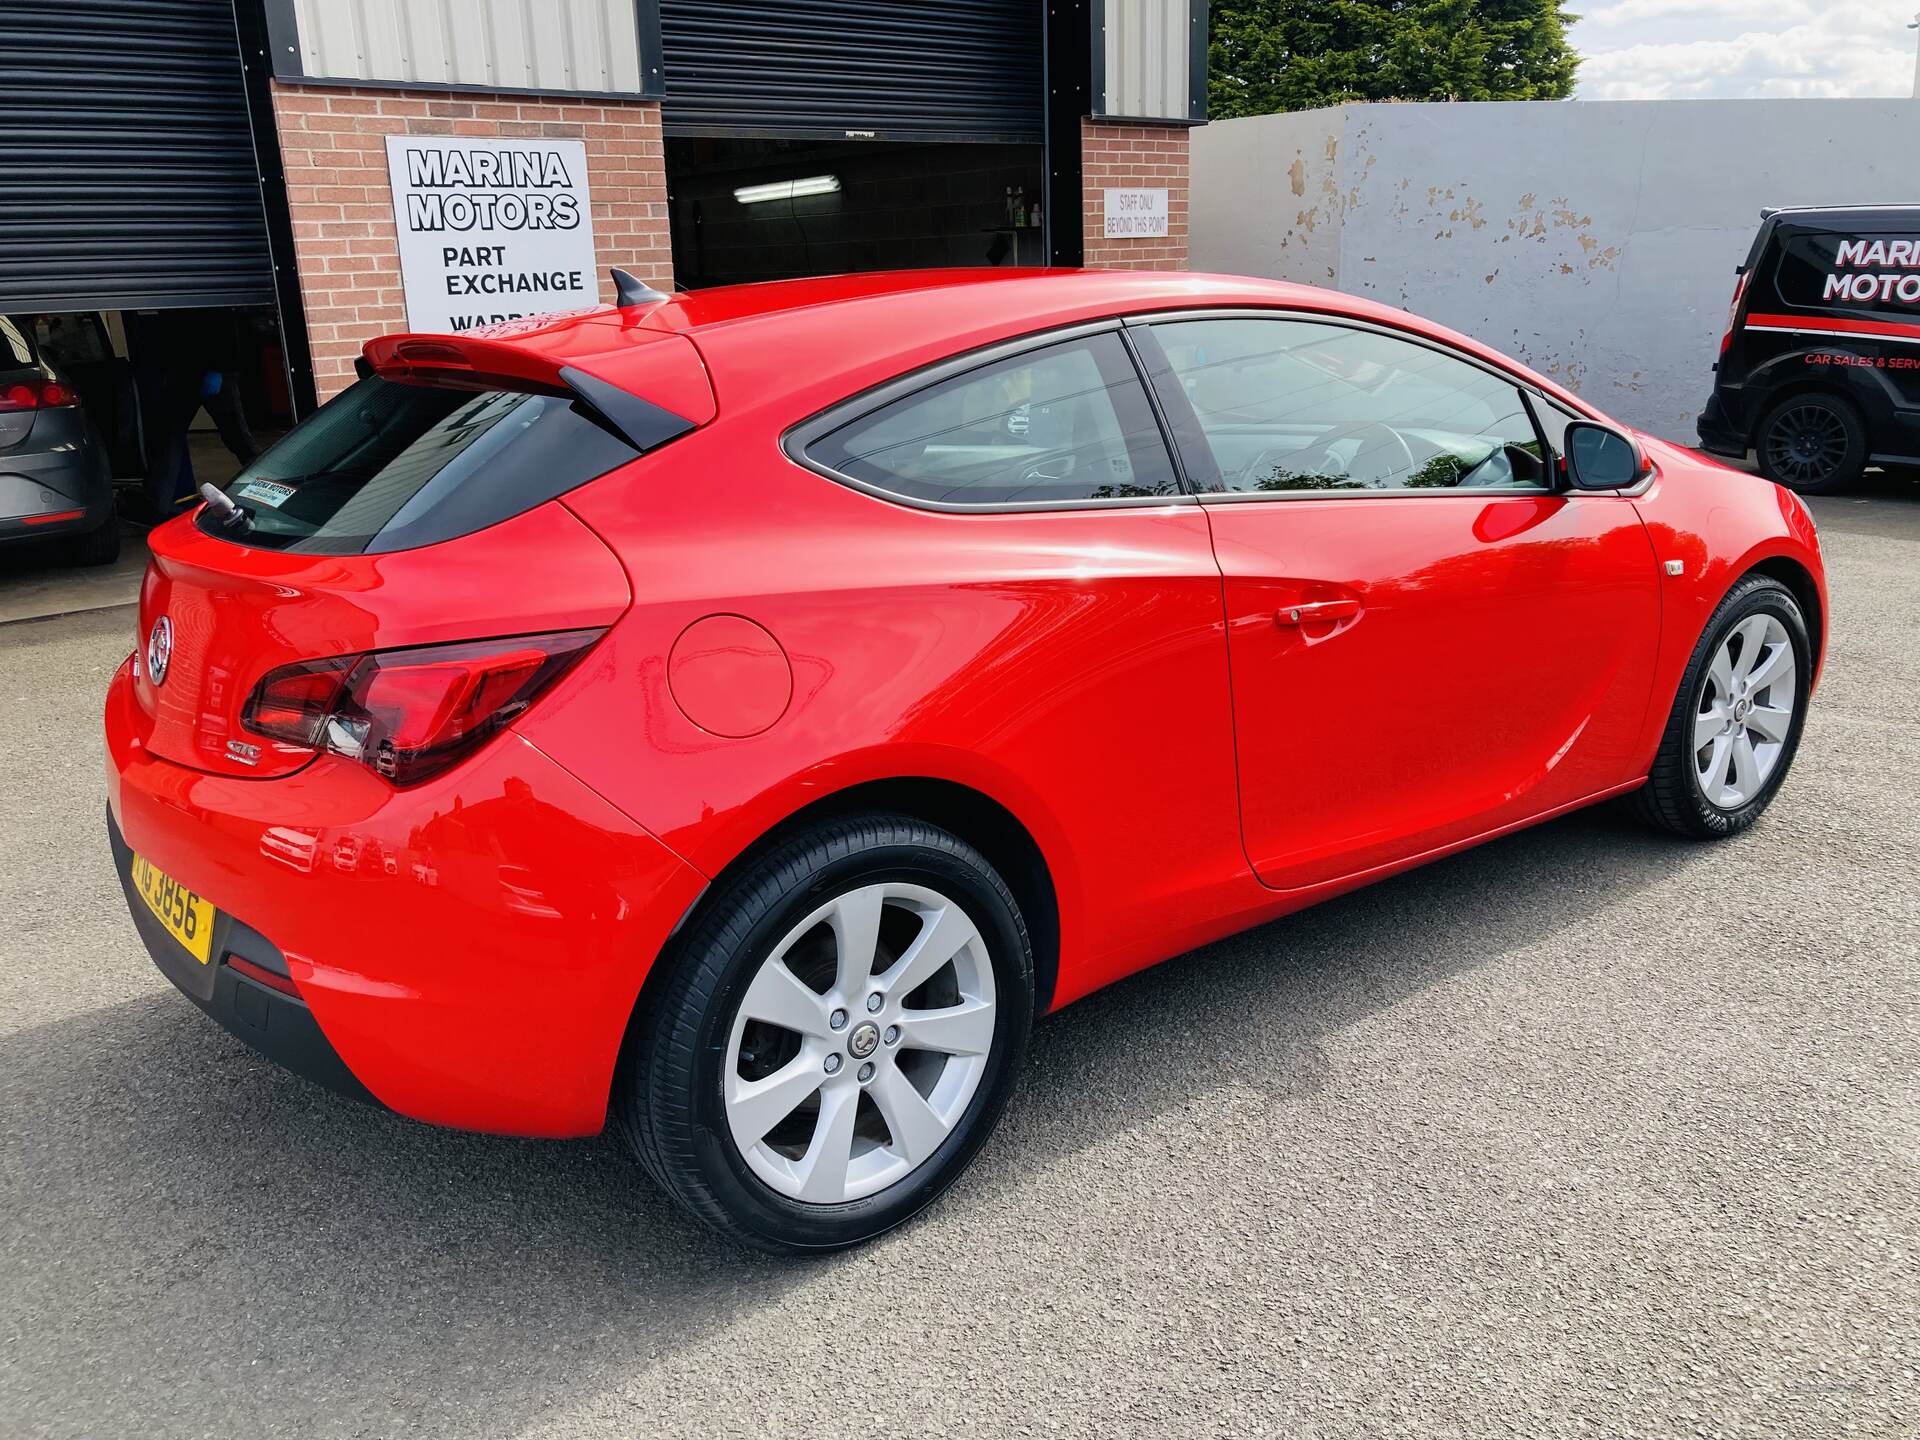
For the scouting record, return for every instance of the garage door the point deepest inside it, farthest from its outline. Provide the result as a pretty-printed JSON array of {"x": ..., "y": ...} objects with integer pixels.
[
  {"x": 953, "y": 70},
  {"x": 126, "y": 160}
]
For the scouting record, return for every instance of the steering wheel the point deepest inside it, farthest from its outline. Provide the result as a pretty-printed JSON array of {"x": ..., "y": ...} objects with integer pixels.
[{"x": 1382, "y": 456}]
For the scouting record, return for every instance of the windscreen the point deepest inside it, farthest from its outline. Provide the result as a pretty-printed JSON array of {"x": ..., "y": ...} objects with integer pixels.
[{"x": 393, "y": 465}]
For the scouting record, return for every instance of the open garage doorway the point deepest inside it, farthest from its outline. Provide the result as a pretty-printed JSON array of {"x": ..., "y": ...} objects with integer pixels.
[
  {"x": 149, "y": 340},
  {"x": 745, "y": 209}
]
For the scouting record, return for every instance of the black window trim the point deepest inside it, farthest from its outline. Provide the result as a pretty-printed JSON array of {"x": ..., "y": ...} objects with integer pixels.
[
  {"x": 1184, "y": 426},
  {"x": 796, "y": 439}
]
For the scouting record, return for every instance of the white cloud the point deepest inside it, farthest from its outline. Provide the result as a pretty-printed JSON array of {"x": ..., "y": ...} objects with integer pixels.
[
  {"x": 1628, "y": 12},
  {"x": 1665, "y": 49}
]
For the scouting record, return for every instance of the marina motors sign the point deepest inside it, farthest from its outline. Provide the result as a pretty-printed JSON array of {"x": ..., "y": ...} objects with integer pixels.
[
  {"x": 491, "y": 230},
  {"x": 1874, "y": 270}
]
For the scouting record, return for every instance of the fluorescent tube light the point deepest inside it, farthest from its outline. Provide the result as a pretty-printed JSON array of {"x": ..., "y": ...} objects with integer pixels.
[{"x": 788, "y": 189}]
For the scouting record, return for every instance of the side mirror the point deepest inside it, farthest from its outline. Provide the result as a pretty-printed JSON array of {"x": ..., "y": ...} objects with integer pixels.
[{"x": 1601, "y": 459}]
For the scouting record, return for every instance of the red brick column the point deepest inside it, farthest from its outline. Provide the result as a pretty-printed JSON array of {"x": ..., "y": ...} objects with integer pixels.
[
  {"x": 1134, "y": 155},
  {"x": 332, "y": 142}
]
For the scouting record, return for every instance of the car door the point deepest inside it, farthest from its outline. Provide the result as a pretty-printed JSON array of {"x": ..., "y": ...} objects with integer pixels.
[{"x": 1427, "y": 641}]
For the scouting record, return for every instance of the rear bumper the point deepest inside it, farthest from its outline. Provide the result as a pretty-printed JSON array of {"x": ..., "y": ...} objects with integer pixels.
[
  {"x": 468, "y": 951},
  {"x": 279, "y": 1026},
  {"x": 1719, "y": 433},
  {"x": 54, "y": 489}
]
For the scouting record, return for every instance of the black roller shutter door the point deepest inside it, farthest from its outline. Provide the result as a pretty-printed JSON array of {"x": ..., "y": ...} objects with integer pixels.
[
  {"x": 127, "y": 175},
  {"x": 895, "y": 69}
]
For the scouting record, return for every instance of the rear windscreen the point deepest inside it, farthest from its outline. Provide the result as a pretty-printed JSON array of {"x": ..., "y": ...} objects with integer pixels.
[
  {"x": 392, "y": 465},
  {"x": 16, "y": 346}
]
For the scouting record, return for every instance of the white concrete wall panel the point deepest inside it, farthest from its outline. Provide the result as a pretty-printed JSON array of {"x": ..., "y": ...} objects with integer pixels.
[{"x": 1594, "y": 241}]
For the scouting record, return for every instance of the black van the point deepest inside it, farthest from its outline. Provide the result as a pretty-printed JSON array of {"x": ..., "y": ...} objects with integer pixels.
[{"x": 1819, "y": 370}]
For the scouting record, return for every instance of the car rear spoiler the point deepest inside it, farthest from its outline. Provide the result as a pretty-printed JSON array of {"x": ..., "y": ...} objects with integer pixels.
[{"x": 646, "y": 385}]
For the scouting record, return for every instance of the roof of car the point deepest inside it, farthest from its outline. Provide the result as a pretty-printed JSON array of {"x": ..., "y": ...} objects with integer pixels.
[
  {"x": 1022, "y": 292},
  {"x": 847, "y": 332}
]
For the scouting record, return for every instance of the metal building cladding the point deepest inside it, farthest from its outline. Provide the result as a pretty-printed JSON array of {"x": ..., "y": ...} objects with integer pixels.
[{"x": 207, "y": 154}]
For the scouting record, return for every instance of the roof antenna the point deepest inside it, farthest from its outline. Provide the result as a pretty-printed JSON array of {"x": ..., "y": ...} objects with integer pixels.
[{"x": 629, "y": 291}]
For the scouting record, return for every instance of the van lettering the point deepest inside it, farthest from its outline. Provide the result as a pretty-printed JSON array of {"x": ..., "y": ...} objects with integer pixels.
[{"x": 1851, "y": 252}]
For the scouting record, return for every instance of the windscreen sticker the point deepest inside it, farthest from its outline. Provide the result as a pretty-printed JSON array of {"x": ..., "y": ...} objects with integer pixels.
[
  {"x": 1878, "y": 270},
  {"x": 270, "y": 493}
]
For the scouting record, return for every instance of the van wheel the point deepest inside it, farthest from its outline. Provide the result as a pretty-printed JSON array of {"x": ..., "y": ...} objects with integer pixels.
[
  {"x": 1813, "y": 443},
  {"x": 836, "y": 1038}
]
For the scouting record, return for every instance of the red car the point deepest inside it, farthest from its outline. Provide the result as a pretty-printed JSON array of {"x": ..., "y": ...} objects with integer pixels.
[{"x": 745, "y": 712}]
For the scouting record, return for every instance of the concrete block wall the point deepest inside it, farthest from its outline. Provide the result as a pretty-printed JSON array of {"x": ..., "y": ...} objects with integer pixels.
[{"x": 1595, "y": 241}]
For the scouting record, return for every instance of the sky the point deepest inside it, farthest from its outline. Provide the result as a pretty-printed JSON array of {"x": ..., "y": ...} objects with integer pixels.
[{"x": 1715, "y": 49}]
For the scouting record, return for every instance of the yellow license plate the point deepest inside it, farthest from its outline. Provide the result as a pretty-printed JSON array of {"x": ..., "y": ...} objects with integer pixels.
[{"x": 188, "y": 918}]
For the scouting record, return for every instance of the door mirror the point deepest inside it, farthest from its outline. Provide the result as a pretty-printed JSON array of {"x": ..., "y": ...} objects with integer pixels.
[{"x": 1601, "y": 459}]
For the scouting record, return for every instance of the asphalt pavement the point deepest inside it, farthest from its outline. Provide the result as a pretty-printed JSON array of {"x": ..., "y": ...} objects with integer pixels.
[{"x": 1587, "y": 1132}]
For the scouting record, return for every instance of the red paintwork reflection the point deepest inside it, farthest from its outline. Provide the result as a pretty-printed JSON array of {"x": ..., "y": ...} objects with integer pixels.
[{"x": 1115, "y": 679}]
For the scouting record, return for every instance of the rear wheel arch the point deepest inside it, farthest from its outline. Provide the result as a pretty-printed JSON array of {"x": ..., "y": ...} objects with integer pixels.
[{"x": 970, "y": 814}]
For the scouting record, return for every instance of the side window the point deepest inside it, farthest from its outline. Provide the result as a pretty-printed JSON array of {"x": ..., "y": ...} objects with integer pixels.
[
  {"x": 1294, "y": 405},
  {"x": 1065, "y": 422}
]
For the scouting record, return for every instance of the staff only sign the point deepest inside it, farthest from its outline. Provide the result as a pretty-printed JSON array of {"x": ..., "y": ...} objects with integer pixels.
[{"x": 491, "y": 230}]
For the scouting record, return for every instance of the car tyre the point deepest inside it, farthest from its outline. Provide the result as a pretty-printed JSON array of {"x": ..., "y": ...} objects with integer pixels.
[
  {"x": 1813, "y": 443},
  {"x": 98, "y": 546},
  {"x": 1723, "y": 720},
  {"x": 700, "y": 1054}
]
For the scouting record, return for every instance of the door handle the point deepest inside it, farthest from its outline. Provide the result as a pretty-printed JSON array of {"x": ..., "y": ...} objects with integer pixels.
[{"x": 1308, "y": 612}]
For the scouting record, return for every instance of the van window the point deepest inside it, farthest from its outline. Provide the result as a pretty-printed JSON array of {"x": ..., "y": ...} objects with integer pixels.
[{"x": 1867, "y": 273}]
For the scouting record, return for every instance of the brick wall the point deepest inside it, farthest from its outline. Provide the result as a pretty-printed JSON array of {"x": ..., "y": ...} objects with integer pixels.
[
  {"x": 332, "y": 142},
  {"x": 1134, "y": 156}
]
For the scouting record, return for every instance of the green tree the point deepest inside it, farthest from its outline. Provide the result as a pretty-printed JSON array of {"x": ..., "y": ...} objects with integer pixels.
[{"x": 1269, "y": 55}]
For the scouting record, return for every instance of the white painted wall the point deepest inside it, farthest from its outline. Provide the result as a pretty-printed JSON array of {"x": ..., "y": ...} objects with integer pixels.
[{"x": 1596, "y": 241}]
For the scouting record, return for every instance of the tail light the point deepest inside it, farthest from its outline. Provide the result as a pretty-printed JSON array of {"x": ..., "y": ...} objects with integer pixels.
[
  {"x": 409, "y": 714},
  {"x": 1733, "y": 310},
  {"x": 36, "y": 395}
]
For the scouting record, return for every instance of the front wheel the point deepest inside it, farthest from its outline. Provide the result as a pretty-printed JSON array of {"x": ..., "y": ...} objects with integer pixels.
[
  {"x": 837, "y": 1036},
  {"x": 1736, "y": 722},
  {"x": 1815, "y": 444}
]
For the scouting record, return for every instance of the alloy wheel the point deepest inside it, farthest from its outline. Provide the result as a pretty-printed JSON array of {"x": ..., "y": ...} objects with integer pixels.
[
  {"x": 1806, "y": 443},
  {"x": 859, "y": 1043},
  {"x": 1744, "y": 712}
]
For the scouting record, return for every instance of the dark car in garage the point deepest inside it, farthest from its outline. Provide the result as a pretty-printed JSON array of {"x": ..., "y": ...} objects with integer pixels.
[
  {"x": 1819, "y": 371},
  {"x": 56, "y": 484}
]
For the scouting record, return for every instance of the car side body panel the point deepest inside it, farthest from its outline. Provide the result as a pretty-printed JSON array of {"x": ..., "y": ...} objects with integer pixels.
[{"x": 1069, "y": 665}]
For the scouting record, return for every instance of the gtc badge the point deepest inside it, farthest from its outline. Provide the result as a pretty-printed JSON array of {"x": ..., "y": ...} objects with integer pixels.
[{"x": 159, "y": 650}]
